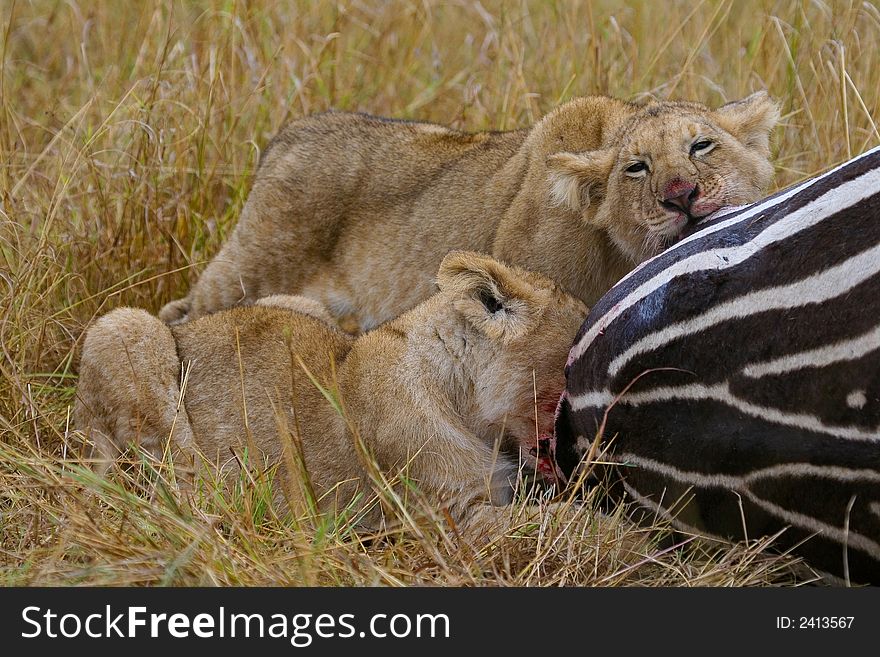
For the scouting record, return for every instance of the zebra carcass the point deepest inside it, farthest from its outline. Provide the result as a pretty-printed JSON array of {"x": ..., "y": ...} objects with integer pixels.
[{"x": 732, "y": 383}]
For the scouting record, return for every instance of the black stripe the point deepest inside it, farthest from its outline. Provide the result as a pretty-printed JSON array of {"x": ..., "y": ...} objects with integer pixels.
[
  {"x": 708, "y": 436},
  {"x": 822, "y": 392}
]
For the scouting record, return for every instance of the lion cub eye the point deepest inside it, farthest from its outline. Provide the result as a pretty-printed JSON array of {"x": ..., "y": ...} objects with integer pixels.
[
  {"x": 702, "y": 147},
  {"x": 637, "y": 169}
]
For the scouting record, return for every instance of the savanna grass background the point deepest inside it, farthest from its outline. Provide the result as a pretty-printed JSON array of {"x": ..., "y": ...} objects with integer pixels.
[{"x": 129, "y": 134}]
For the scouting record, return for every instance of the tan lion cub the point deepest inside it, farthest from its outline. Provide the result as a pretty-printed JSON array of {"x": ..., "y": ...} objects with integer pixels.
[
  {"x": 358, "y": 211},
  {"x": 447, "y": 393}
]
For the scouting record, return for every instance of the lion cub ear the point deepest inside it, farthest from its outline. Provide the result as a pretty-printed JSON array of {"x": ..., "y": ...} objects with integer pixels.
[
  {"x": 750, "y": 120},
  {"x": 576, "y": 177},
  {"x": 496, "y": 299}
]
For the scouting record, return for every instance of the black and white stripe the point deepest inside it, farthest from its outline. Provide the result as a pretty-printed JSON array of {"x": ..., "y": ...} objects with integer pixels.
[{"x": 740, "y": 370}]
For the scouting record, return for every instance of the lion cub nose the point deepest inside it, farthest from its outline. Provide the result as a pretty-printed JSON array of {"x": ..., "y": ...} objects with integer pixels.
[{"x": 679, "y": 194}]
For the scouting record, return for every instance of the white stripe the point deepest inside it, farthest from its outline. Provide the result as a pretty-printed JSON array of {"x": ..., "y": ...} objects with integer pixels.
[
  {"x": 723, "y": 212},
  {"x": 837, "y": 472},
  {"x": 715, "y": 480},
  {"x": 820, "y": 357},
  {"x": 593, "y": 399},
  {"x": 721, "y": 393},
  {"x": 700, "y": 234},
  {"x": 710, "y": 259},
  {"x": 820, "y": 287},
  {"x": 741, "y": 485}
]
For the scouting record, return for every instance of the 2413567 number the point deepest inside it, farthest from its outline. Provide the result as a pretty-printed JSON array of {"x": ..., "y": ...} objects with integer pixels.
[
  {"x": 826, "y": 622},
  {"x": 814, "y": 622}
]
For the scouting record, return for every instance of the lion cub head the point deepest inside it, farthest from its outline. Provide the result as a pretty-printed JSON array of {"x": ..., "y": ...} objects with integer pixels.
[
  {"x": 665, "y": 164},
  {"x": 508, "y": 335}
]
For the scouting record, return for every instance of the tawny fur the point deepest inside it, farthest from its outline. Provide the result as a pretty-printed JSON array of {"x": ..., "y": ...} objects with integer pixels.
[
  {"x": 445, "y": 394},
  {"x": 357, "y": 211}
]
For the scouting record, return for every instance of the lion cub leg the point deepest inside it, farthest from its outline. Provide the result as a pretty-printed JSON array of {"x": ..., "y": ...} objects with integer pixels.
[
  {"x": 227, "y": 281},
  {"x": 129, "y": 390}
]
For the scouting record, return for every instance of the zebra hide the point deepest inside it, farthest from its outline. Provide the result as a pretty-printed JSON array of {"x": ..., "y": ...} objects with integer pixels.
[{"x": 737, "y": 375}]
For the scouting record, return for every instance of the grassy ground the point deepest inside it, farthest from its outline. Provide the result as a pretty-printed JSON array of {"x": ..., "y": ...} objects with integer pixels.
[{"x": 128, "y": 136}]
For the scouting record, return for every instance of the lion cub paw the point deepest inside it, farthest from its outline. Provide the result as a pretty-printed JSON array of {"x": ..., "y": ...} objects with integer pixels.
[{"x": 175, "y": 312}]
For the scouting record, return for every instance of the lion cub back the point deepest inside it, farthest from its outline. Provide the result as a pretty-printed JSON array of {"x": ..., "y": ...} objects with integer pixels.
[{"x": 253, "y": 374}]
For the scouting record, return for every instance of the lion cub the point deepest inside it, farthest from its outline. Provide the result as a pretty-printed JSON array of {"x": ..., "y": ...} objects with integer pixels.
[
  {"x": 357, "y": 211},
  {"x": 454, "y": 394}
]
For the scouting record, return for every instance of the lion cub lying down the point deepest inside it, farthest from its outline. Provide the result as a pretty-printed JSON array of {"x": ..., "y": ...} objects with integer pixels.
[
  {"x": 357, "y": 211},
  {"x": 446, "y": 393}
]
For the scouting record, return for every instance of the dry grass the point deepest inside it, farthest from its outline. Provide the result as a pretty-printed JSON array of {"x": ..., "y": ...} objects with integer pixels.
[{"x": 128, "y": 136}]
